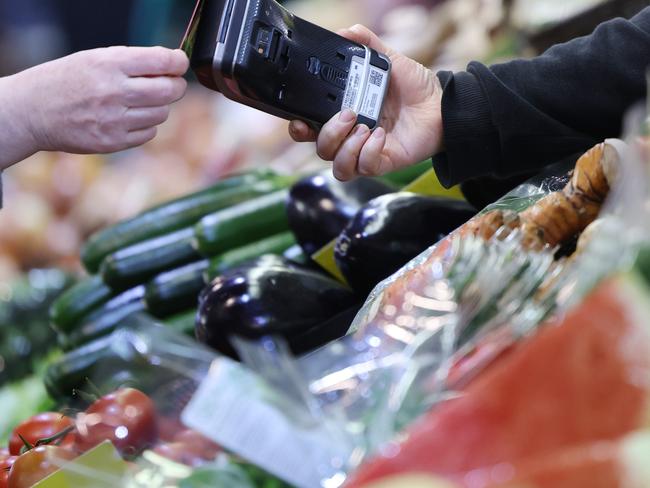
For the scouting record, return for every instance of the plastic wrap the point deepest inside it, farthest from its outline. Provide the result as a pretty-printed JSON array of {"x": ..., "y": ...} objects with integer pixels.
[
  {"x": 428, "y": 331},
  {"x": 447, "y": 356},
  {"x": 125, "y": 396},
  {"x": 539, "y": 416}
]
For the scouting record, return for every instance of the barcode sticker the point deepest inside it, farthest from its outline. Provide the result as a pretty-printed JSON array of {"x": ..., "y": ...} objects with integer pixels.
[
  {"x": 233, "y": 407},
  {"x": 371, "y": 104},
  {"x": 376, "y": 78},
  {"x": 354, "y": 88},
  {"x": 366, "y": 88}
]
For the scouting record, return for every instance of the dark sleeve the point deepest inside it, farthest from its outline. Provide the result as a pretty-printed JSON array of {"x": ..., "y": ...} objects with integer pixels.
[{"x": 520, "y": 116}]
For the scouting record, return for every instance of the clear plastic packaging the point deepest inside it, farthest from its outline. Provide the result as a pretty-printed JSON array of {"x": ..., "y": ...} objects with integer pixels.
[
  {"x": 429, "y": 330},
  {"x": 422, "y": 341}
]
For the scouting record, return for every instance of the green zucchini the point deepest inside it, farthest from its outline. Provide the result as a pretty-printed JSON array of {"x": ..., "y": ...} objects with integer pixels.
[
  {"x": 77, "y": 302},
  {"x": 176, "y": 215},
  {"x": 177, "y": 290},
  {"x": 105, "y": 319},
  {"x": 275, "y": 244},
  {"x": 405, "y": 176},
  {"x": 182, "y": 322},
  {"x": 140, "y": 262},
  {"x": 240, "y": 224},
  {"x": 78, "y": 374}
]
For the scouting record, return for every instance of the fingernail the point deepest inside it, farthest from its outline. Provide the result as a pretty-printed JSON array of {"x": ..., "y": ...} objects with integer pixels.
[
  {"x": 361, "y": 130},
  {"x": 347, "y": 116}
]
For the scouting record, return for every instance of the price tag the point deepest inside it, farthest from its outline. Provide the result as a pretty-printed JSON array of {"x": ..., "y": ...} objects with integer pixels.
[{"x": 234, "y": 408}]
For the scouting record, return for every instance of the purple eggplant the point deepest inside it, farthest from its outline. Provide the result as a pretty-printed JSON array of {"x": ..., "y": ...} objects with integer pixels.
[
  {"x": 319, "y": 207},
  {"x": 391, "y": 230},
  {"x": 270, "y": 296}
]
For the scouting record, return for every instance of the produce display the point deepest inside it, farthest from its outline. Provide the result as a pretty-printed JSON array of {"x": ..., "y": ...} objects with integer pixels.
[
  {"x": 25, "y": 335},
  {"x": 155, "y": 262},
  {"x": 454, "y": 320},
  {"x": 215, "y": 309}
]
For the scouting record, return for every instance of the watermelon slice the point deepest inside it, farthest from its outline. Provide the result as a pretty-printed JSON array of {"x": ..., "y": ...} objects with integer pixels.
[{"x": 581, "y": 380}]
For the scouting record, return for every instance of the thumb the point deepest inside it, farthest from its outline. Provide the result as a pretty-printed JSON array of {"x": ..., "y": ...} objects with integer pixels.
[{"x": 361, "y": 34}]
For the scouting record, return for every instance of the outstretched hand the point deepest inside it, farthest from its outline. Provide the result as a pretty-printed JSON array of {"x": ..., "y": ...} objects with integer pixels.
[
  {"x": 410, "y": 129},
  {"x": 97, "y": 101}
]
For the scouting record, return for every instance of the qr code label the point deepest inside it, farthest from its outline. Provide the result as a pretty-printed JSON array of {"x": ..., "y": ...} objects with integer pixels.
[{"x": 376, "y": 78}]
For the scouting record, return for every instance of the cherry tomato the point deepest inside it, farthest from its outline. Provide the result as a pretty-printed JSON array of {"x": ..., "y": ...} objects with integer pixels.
[
  {"x": 41, "y": 426},
  {"x": 5, "y": 465},
  {"x": 126, "y": 417},
  {"x": 36, "y": 464}
]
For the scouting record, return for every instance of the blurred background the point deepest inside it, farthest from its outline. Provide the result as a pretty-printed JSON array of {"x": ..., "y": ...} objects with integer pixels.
[{"x": 54, "y": 201}]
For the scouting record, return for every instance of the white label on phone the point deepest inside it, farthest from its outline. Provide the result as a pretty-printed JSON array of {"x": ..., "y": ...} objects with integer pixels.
[
  {"x": 366, "y": 88},
  {"x": 374, "y": 93},
  {"x": 235, "y": 408},
  {"x": 355, "y": 86}
]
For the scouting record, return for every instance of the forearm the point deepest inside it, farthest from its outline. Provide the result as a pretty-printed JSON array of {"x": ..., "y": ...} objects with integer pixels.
[
  {"x": 526, "y": 114},
  {"x": 17, "y": 140}
]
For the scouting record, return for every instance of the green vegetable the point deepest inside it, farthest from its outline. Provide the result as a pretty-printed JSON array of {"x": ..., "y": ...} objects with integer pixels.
[
  {"x": 79, "y": 368},
  {"x": 407, "y": 175},
  {"x": 78, "y": 301},
  {"x": 140, "y": 262},
  {"x": 228, "y": 476},
  {"x": 177, "y": 214},
  {"x": 240, "y": 224},
  {"x": 19, "y": 400},
  {"x": 105, "y": 319},
  {"x": 177, "y": 290},
  {"x": 276, "y": 244}
]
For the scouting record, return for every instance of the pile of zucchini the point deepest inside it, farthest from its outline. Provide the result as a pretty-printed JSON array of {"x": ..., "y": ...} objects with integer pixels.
[{"x": 158, "y": 261}]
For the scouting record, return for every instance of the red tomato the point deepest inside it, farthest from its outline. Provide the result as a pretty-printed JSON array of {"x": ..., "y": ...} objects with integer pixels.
[
  {"x": 36, "y": 464},
  {"x": 41, "y": 426},
  {"x": 5, "y": 465},
  {"x": 126, "y": 417}
]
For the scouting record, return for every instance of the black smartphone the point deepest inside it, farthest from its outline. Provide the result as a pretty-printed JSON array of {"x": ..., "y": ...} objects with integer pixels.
[{"x": 258, "y": 53}]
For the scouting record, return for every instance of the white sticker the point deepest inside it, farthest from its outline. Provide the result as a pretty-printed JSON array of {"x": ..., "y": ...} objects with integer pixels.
[
  {"x": 234, "y": 408},
  {"x": 374, "y": 93},
  {"x": 366, "y": 88},
  {"x": 354, "y": 88}
]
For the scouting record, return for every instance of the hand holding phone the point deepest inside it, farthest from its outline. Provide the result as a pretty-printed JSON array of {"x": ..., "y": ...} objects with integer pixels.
[
  {"x": 258, "y": 53},
  {"x": 411, "y": 126}
]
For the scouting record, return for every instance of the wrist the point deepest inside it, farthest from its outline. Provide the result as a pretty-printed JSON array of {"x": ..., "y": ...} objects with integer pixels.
[
  {"x": 17, "y": 135},
  {"x": 438, "y": 125}
]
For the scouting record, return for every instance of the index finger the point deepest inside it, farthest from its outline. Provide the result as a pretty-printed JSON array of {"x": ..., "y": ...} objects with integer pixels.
[
  {"x": 361, "y": 34},
  {"x": 154, "y": 61}
]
